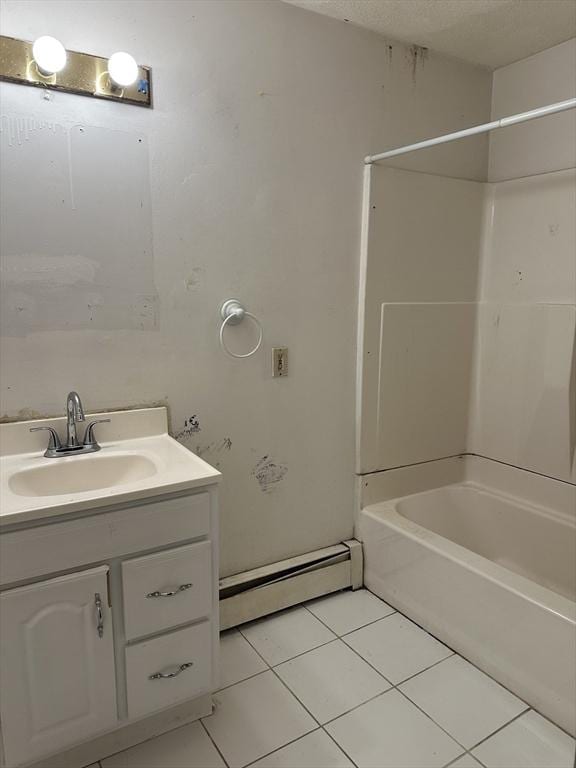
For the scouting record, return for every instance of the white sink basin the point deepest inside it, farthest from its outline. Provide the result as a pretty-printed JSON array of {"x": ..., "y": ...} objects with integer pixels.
[
  {"x": 137, "y": 460},
  {"x": 81, "y": 474}
]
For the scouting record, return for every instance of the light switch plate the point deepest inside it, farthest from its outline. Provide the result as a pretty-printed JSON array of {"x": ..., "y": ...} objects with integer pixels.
[{"x": 279, "y": 361}]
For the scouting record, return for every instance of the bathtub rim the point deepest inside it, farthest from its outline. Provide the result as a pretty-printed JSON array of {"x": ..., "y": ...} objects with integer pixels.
[{"x": 521, "y": 586}]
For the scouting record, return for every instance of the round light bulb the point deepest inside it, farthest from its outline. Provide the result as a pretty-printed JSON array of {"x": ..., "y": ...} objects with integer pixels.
[
  {"x": 122, "y": 68},
  {"x": 49, "y": 55}
]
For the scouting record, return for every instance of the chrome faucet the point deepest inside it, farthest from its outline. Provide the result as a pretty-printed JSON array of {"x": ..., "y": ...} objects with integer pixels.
[{"x": 74, "y": 413}]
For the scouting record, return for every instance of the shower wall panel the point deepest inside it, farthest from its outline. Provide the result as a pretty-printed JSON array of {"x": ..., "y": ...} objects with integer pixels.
[{"x": 421, "y": 249}]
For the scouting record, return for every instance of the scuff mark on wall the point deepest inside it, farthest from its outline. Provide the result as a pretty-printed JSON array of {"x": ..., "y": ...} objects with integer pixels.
[
  {"x": 268, "y": 473},
  {"x": 195, "y": 278},
  {"x": 191, "y": 427},
  {"x": 216, "y": 447},
  {"x": 146, "y": 312},
  {"x": 213, "y": 450},
  {"x": 417, "y": 56}
]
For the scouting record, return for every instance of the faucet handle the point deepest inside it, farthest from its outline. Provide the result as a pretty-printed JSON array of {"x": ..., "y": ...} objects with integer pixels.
[
  {"x": 54, "y": 442},
  {"x": 89, "y": 439}
]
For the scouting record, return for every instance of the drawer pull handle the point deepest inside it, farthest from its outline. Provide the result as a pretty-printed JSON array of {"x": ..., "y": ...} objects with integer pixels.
[
  {"x": 99, "y": 614},
  {"x": 181, "y": 588},
  {"x": 166, "y": 675}
]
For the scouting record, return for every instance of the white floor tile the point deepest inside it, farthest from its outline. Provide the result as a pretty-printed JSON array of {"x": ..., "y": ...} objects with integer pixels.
[
  {"x": 463, "y": 700},
  {"x": 238, "y": 660},
  {"x": 390, "y": 732},
  {"x": 255, "y": 717},
  {"x": 397, "y": 647},
  {"x": 331, "y": 680},
  {"x": 466, "y": 761},
  {"x": 316, "y": 750},
  {"x": 347, "y": 611},
  {"x": 529, "y": 742},
  {"x": 284, "y": 635},
  {"x": 186, "y": 747}
]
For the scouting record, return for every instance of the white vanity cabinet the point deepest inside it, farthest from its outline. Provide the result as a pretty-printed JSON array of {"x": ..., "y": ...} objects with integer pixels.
[
  {"x": 130, "y": 630},
  {"x": 57, "y": 668}
]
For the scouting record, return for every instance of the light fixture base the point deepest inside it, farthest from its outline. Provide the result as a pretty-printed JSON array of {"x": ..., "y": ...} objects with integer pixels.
[{"x": 84, "y": 74}]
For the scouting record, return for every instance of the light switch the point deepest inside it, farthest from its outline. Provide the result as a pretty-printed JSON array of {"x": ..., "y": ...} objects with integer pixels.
[{"x": 279, "y": 361}]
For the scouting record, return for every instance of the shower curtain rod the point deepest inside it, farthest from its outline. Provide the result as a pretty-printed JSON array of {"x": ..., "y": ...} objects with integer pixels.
[{"x": 522, "y": 117}]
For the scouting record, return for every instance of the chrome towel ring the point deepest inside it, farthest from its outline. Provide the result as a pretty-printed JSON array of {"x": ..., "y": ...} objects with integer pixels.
[{"x": 232, "y": 313}]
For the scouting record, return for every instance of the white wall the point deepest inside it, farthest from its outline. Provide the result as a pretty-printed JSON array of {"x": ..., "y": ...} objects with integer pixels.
[
  {"x": 525, "y": 409},
  {"x": 263, "y": 113},
  {"x": 538, "y": 146}
]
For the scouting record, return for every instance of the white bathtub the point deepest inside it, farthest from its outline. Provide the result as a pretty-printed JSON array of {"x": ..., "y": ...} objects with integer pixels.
[{"x": 484, "y": 556}]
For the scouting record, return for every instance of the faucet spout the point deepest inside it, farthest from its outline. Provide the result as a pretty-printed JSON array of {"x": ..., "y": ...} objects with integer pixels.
[{"x": 74, "y": 413}]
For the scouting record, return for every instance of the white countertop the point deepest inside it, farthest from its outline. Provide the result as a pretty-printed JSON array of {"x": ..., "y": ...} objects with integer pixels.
[{"x": 138, "y": 437}]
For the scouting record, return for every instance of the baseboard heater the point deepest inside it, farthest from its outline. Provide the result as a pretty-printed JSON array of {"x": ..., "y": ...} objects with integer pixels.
[{"x": 253, "y": 594}]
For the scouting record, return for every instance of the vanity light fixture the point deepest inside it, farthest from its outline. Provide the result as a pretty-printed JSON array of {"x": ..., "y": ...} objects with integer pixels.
[
  {"x": 122, "y": 69},
  {"x": 47, "y": 64},
  {"x": 49, "y": 54}
]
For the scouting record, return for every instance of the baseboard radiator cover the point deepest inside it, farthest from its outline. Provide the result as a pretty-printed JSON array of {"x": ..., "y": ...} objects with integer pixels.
[{"x": 252, "y": 594}]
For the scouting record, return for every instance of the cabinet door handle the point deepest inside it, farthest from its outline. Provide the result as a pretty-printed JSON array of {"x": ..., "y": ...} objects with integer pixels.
[
  {"x": 99, "y": 614},
  {"x": 166, "y": 675},
  {"x": 181, "y": 588}
]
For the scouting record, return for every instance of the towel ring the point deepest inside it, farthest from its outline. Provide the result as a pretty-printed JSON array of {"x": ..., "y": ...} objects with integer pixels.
[{"x": 232, "y": 313}]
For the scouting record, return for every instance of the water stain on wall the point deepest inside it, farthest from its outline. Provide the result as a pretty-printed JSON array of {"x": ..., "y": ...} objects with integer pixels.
[
  {"x": 417, "y": 56},
  {"x": 269, "y": 473},
  {"x": 30, "y": 414}
]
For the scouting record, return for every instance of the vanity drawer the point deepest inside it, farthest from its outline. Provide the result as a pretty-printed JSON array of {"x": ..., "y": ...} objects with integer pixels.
[
  {"x": 63, "y": 545},
  {"x": 157, "y": 670},
  {"x": 167, "y": 588}
]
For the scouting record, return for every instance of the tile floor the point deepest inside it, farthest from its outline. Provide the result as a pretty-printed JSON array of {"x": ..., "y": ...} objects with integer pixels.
[{"x": 347, "y": 681}]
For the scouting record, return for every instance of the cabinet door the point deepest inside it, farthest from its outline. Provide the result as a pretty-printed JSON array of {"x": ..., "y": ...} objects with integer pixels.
[{"x": 56, "y": 664}]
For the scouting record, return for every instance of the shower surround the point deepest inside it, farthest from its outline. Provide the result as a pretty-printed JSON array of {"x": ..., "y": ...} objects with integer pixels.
[{"x": 467, "y": 347}]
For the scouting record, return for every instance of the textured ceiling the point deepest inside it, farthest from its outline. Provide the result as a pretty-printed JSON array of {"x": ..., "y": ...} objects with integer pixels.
[{"x": 487, "y": 32}]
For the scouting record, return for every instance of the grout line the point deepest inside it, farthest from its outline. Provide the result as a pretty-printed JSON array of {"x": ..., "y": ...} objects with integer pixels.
[
  {"x": 368, "y": 623},
  {"x": 291, "y": 658},
  {"x": 477, "y": 759},
  {"x": 456, "y": 759},
  {"x": 213, "y": 742},
  {"x": 431, "y": 666},
  {"x": 432, "y": 719},
  {"x": 231, "y": 685},
  {"x": 340, "y": 747},
  {"x": 298, "y": 655},
  {"x": 404, "y": 616},
  {"x": 357, "y": 706},
  {"x": 292, "y": 741},
  {"x": 277, "y": 676},
  {"x": 501, "y": 728}
]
